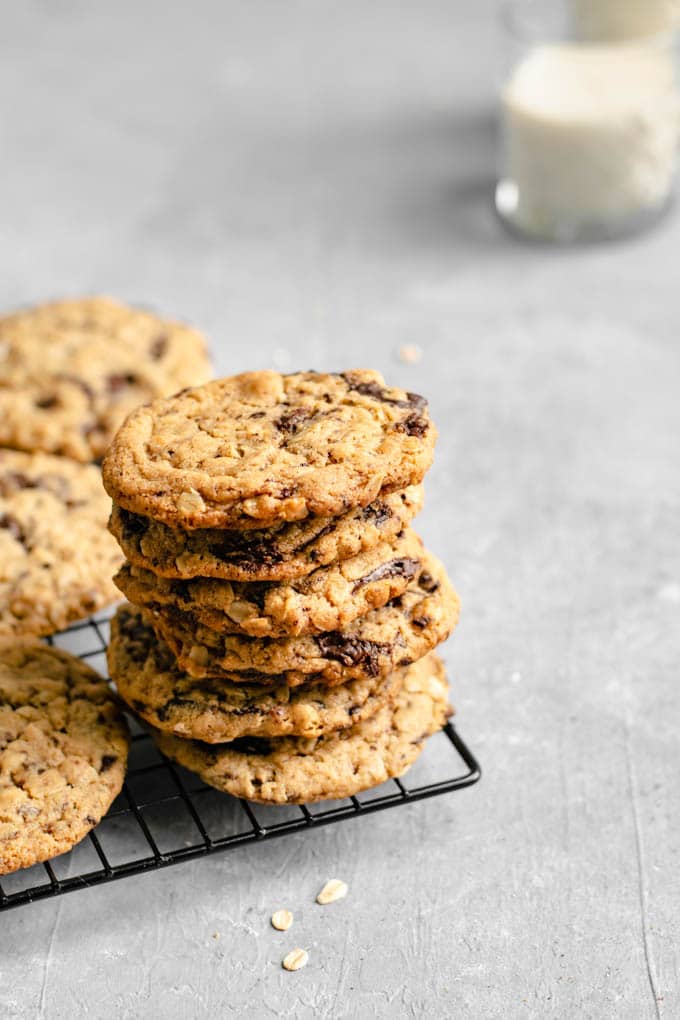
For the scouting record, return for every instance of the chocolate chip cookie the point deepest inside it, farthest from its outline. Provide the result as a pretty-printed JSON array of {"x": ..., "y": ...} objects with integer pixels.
[
  {"x": 149, "y": 681},
  {"x": 71, "y": 371},
  {"x": 276, "y": 554},
  {"x": 262, "y": 448},
  {"x": 395, "y": 635},
  {"x": 328, "y": 599},
  {"x": 297, "y": 770},
  {"x": 63, "y": 752},
  {"x": 56, "y": 556}
]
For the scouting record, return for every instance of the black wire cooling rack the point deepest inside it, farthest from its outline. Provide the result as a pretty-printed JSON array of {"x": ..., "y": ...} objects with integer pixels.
[{"x": 166, "y": 815}]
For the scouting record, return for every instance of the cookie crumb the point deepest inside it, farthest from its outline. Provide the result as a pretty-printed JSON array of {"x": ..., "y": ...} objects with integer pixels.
[
  {"x": 282, "y": 920},
  {"x": 410, "y": 354},
  {"x": 216, "y": 935},
  {"x": 296, "y": 959},
  {"x": 333, "y": 890}
]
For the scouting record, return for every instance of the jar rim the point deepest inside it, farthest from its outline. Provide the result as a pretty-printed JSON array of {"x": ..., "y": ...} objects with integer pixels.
[{"x": 516, "y": 20}]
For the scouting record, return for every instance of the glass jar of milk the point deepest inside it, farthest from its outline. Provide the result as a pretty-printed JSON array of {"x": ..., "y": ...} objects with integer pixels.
[{"x": 590, "y": 117}]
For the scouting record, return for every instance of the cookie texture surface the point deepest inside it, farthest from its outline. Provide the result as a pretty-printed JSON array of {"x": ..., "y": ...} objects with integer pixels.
[
  {"x": 56, "y": 556},
  {"x": 280, "y": 553},
  {"x": 149, "y": 681},
  {"x": 296, "y": 770},
  {"x": 71, "y": 371},
  {"x": 395, "y": 635},
  {"x": 63, "y": 752},
  {"x": 328, "y": 599},
  {"x": 263, "y": 448}
]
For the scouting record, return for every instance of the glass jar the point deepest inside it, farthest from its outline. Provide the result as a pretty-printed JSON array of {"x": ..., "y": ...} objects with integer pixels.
[{"x": 589, "y": 129}]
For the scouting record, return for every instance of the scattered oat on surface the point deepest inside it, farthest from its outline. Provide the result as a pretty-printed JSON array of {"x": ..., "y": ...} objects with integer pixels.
[
  {"x": 282, "y": 920},
  {"x": 410, "y": 354},
  {"x": 296, "y": 959},
  {"x": 333, "y": 890}
]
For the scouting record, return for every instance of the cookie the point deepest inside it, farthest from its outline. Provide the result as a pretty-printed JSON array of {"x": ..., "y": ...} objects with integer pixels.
[
  {"x": 276, "y": 554},
  {"x": 63, "y": 752},
  {"x": 298, "y": 770},
  {"x": 148, "y": 680},
  {"x": 56, "y": 556},
  {"x": 328, "y": 599},
  {"x": 71, "y": 371},
  {"x": 262, "y": 448},
  {"x": 395, "y": 635}
]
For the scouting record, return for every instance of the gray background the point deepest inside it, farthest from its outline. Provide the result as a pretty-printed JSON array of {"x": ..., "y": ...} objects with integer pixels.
[{"x": 308, "y": 181}]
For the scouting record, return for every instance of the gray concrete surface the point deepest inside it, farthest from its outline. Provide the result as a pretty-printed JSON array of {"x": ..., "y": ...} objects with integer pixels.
[{"x": 309, "y": 182}]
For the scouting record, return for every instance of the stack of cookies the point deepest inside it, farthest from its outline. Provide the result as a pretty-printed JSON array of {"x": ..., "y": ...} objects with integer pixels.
[{"x": 282, "y": 615}]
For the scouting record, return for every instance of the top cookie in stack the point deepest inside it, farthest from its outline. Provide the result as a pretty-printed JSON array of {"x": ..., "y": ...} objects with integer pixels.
[{"x": 281, "y": 592}]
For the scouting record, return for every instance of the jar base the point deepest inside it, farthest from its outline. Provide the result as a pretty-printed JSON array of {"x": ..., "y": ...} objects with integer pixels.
[{"x": 565, "y": 232}]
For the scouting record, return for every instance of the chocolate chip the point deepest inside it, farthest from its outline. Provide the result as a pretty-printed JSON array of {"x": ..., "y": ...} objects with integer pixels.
[
  {"x": 256, "y": 592},
  {"x": 413, "y": 425},
  {"x": 17, "y": 480},
  {"x": 352, "y": 651},
  {"x": 164, "y": 711},
  {"x": 293, "y": 420},
  {"x": 420, "y": 621},
  {"x": 377, "y": 513},
  {"x": 135, "y": 630},
  {"x": 47, "y": 402},
  {"x": 11, "y": 524},
  {"x": 107, "y": 761},
  {"x": 158, "y": 347},
  {"x": 248, "y": 551},
  {"x": 75, "y": 380},
  {"x": 118, "y": 381},
  {"x": 403, "y": 567},
  {"x": 372, "y": 389},
  {"x": 252, "y": 745},
  {"x": 132, "y": 524},
  {"x": 427, "y": 582},
  {"x": 90, "y": 819},
  {"x": 416, "y": 400}
]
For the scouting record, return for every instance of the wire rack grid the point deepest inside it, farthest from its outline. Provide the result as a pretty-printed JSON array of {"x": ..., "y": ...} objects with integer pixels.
[{"x": 165, "y": 815}]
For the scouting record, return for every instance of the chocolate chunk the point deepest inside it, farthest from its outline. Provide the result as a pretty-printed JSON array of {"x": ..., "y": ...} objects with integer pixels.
[
  {"x": 158, "y": 347},
  {"x": 18, "y": 480},
  {"x": 11, "y": 524},
  {"x": 256, "y": 592},
  {"x": 164, "y": 711},
  {"x": 47, "y": 402},
  {"x": 133, "y": 524},
  {"x": 427, "y": 582},
  {"x": 420, "y": 621},
  {"x": 293, "y": 420},
  {"x": 366, "y": 389},
  {"x": 403, "y": 567},
  {"x": 372, "y": 389},
  {"x": 248, "y": 551},
  {"x": 134, "y": 630},
  {"x": 75, "y": 380},
  {"x": 252, "y": 745},
  {"x": 377, "y": 513},
  {"x": 107, "y": 761},
  {"x": 118, "y": 381},
  {"x": 413, "y": 425},
  {"x": 352, "y": 651}
]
